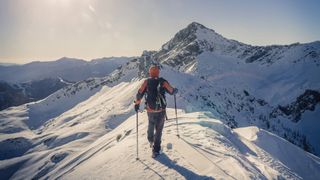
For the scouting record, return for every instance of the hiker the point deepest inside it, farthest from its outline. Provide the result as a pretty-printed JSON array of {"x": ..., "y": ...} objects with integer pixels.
[{"x": 155, "y": 87}]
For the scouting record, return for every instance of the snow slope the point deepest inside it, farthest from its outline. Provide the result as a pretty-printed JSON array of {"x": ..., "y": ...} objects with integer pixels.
[
  {"x": 62, "y": 135},
  {"x": 68, "y": 120},
  {"x": 278, "y": 149},
  {"x": 207, "y": 149}
]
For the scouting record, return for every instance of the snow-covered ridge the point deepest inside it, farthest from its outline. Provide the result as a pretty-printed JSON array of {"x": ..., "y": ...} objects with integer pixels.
[
  {"x": 181, "y": 51},
  {"x": 64, "y": 134},
  {"x": 207, "y": 149}
]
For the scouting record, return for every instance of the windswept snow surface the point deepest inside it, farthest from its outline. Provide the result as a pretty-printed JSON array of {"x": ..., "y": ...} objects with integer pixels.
[
  {"x": 281, "y": 150},
  {"x": 207, "y": 149}
]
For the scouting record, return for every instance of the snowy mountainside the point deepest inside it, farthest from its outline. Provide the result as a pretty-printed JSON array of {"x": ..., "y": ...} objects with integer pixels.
[
  {"x": 37, "y": 113},
  {"x": 182, "y": 50},
  {"x": 239, "y": 104},
  {"x": 17, "y": 94},
  {"x": 25, "y": 140},
  {"x": 266, "y": 86}
]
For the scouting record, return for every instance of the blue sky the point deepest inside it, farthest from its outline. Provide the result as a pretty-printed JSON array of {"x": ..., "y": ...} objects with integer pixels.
[{"x": 50, "y": 29}]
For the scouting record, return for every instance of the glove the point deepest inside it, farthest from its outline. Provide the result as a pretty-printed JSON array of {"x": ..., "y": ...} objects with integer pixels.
[
  {"x": 175, "y": 91},
  {"x": 136, "y": 107}
]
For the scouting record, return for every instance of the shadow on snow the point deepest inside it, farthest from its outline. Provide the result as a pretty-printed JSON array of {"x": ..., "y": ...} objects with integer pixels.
[{"x": 186, "y": 173}]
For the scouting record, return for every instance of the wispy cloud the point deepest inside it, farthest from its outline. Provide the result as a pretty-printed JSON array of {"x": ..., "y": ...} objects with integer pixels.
[{"x": 91, "y": 8}]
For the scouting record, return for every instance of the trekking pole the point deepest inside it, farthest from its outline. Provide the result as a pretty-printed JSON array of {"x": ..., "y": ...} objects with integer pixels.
[
  {"x": 175, "y": 107},
  {"x": 137, "y": 129}
]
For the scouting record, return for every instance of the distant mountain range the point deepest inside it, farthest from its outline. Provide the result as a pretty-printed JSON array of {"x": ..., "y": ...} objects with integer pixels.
[
  {"x": 20, "y": 84},
  {"x": 69, "y": 69}
]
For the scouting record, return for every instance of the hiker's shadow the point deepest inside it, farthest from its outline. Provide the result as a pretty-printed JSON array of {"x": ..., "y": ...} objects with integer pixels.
[{"x": 186, "y": 173}]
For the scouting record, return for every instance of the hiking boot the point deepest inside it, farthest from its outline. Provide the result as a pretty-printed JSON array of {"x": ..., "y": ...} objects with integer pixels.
[{"x": 155, "y": 154}]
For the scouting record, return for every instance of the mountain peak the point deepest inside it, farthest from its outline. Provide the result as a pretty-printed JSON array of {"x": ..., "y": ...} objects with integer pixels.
[
  {"x": 193, "y": 32},
  {"x": 196, "y": 26},
  {"x": 190, "y": 42},
  {"x": 185, "y": 35}
]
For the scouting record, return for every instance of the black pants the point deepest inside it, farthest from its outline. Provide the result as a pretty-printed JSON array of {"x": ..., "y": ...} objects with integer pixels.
[{"x": 155, "y": 127}]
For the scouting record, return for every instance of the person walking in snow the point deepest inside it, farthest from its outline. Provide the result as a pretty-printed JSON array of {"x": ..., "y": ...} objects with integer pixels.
[{"x": 155, "y": 88}]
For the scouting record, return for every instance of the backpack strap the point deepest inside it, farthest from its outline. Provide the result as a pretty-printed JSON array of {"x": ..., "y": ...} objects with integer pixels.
[
  {"x": 160, "y": 100},
  {"x": 160, "y": 89}
]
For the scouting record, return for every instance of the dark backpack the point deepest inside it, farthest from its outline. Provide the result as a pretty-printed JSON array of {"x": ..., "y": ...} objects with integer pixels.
[{"x": 155, "y": 94}]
